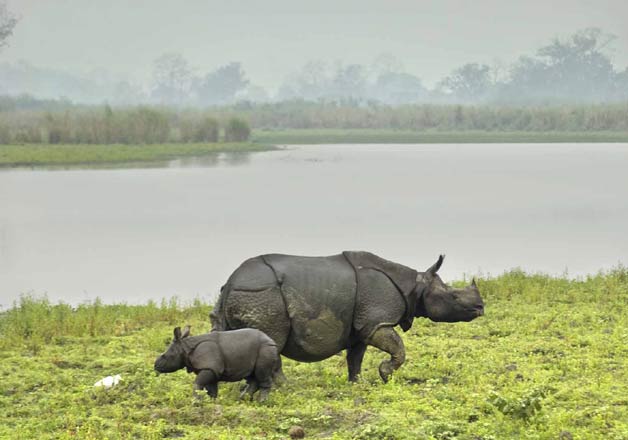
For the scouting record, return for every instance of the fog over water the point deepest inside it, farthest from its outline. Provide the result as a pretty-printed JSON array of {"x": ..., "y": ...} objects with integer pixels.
[{"x": 135, "y": 234}]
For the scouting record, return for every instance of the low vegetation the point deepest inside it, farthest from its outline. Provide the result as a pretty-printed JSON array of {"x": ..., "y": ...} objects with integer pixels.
[
  {"x": 23, "y": 121},
  {"x": 37, "y": 154},
  {"x": 548, "y": 361},
  {"x": 128, "y": 126}
]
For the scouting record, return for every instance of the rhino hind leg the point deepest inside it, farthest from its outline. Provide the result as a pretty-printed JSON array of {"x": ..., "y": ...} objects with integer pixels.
[
  {"x": 355, "y": 355},
  {"x": 387, "y": 339}
]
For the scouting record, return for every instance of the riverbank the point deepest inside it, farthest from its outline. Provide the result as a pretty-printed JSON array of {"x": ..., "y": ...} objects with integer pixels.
[
  {"x": 377, "y": 136},
  {"x": 546, "y": 361},
  {"x": 264, "y": 140},
  {"x": 71, "y": 154}
]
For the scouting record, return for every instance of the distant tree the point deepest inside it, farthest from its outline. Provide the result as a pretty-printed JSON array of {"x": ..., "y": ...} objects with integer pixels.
[
  {"x": 385, "y": 63},
  {"x": 7, "y": 24},
  {"x": 222, "y": 85},
  {"x": 311, "y": 83},
  {"x": 125, "y": 93},
  {"x": 574, "y": 69},
  {"x": 172, "y": 79},
  {"x": 253, "y": 93},
  {"x": 470, "y": 82},
  {"x": 622, "y": 85},
  {"x": 397, "y": 88},
  {"x": 349, "y": 82}
]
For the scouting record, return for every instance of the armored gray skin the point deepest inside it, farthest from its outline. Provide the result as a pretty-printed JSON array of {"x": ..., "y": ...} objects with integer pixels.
[
  {"x": 314, "y": 307},
  {"x": 227, "y": 356}
]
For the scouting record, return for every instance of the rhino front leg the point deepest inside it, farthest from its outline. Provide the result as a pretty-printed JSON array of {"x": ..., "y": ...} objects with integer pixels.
[
  {"x": 387, "y": 339},
  {"x": 206, "y": 380},
  {"x": 355, "y": 355}
]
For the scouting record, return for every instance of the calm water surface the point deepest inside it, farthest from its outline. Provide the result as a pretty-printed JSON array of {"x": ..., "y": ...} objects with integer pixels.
[{"x": 180, "y": 229}]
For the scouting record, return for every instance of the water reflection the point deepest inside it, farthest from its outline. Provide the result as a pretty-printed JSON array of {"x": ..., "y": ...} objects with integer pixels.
[{"x": 231, "y": 158}]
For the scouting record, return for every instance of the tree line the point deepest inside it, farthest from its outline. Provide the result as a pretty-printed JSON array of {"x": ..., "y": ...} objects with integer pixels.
[{"x": 576, "y": 69}]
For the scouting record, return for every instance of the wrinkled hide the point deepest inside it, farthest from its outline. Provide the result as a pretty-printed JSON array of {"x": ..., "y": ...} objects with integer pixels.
[{"x": 312, "y": 306}]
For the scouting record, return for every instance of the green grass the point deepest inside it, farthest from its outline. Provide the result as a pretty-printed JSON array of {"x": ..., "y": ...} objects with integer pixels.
[
  {"x": 548, "y": 361},
  {"x": 377, "y": 136},
  {"x": 70, "y": 154}
]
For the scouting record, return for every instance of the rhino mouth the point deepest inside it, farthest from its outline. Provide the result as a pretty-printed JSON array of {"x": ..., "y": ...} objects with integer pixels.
[
  {"x": 161, "y": 366},
  {"x": 475, "y": 312},
  {"x": 479, "y": 311}
]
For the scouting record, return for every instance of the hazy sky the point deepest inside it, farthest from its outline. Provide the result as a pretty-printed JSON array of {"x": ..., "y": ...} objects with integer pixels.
[{"x": 275, "y": 37}]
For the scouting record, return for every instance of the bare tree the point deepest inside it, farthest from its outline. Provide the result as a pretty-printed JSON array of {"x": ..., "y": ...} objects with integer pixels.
[
  {"x": 7, "y": 23},
  {"x": 172, "y": 79}
]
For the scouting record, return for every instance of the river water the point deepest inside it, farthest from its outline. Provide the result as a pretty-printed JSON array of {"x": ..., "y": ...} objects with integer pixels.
[{"x": 180, "y": 228}]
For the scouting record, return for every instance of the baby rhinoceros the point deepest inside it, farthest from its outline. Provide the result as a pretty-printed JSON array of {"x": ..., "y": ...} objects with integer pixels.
[{"x": 227, "y": 356}]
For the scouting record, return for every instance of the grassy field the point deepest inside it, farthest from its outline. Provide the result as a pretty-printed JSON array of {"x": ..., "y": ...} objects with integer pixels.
[
  {"x": 70, "y": 154},
  {"x": 548, "y": 361},
  {"x": 375, "y": 136}
]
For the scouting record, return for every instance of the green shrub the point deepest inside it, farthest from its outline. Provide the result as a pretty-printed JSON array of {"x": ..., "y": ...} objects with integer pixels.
[
  {"x": 207, "y": 130},
  {"x": 5, "y": 133},
  {"x": 27, "y": 135},
  {"x": 237, "y": 130},
  {"x": 193, "y": 129}
]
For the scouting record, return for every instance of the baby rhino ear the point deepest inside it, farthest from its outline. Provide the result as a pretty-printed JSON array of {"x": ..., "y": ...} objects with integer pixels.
[
  {"x": 177, "y": 333},
  {"x": 186, "y": 332}
]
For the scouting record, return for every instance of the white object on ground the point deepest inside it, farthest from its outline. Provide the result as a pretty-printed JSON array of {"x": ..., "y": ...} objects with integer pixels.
[{"x": 108, "y": 381}]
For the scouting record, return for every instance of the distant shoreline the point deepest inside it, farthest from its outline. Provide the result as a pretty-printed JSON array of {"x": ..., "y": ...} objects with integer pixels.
[
  {"x": 386, "y": 136},
  {"x": 27, "y": 155}
]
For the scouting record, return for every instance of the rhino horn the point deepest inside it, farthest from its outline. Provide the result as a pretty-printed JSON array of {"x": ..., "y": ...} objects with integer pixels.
[{"x": 436, "y": 265}]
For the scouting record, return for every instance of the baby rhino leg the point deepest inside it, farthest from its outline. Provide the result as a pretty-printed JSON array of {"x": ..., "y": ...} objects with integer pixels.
[
  {"x": 265, "y": 367},
  {"x": 250, "y": 388},
  {"x": 206, "y": 380}
]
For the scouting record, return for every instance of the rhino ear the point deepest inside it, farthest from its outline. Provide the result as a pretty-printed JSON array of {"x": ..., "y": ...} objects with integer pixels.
[
  {"x": 186, "y": 332},
  {"x": 177, "y": 333},
  {"x": 436, "y": 265}
]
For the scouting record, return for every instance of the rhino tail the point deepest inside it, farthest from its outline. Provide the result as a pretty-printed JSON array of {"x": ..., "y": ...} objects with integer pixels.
[{"x": 217, "y": 315}]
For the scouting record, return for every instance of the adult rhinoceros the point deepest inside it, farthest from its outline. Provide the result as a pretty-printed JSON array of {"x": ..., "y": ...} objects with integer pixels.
[{"x": 314, "y": 307}]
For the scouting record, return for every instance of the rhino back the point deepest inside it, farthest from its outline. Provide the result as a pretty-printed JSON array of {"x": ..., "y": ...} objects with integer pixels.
[
  {"x": 319, "y": 293},
  {"x": 252, "y": 275}
]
